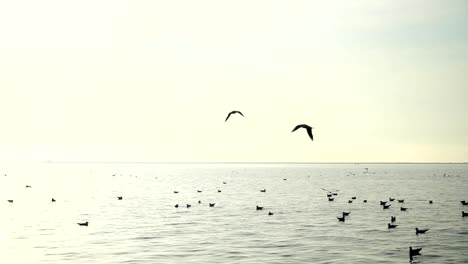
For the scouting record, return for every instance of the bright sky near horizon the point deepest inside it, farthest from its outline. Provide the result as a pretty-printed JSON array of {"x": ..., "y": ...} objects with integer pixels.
[{"x": 154, "y": 80}]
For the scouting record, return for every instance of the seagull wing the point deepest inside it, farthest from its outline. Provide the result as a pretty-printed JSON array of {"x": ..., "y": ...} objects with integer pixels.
[
  {"x": 228, "y": 116},
  {"x": 309, "y": 131},
  {"x": 240, "y": 113},
  {"x": 296, "y": 128}
]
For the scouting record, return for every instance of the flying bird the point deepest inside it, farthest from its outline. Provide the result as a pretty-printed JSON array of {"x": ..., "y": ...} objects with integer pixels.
[
  {"x": 308, "y": 128},
  {"x": 233, "y": 112}
]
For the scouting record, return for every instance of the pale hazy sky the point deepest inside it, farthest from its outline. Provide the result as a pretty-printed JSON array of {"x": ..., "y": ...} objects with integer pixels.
[{"x": 154, "y": 80}]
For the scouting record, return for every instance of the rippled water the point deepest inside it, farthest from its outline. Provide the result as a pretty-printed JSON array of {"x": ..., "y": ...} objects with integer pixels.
[{"x": 145, "y": 227}]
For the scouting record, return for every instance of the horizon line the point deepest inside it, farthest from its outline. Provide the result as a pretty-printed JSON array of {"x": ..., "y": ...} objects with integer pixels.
[{"x": 258, "y": 162}]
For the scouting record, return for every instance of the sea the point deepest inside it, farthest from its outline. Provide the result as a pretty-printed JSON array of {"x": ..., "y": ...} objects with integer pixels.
[{"x": 146, "y": 227}]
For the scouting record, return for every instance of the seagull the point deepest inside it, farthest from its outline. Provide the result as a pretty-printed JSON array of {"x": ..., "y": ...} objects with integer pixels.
[
  {"x": 119, "y": 197},
  {"x": 403, "y": 208},
  {"x": 420, "y": 231},
  {"x": 308, "y": 128},
  {"x": 391, "y": 199},
  {"x": 53, "y": 200},
  {"x": 401, "y": 201},
  {"x": 414, "y": 252},
  {"x": 386, "y": 206},
  {"x": 259, "y": 207},
  {"x": 270, "y": 213},
  {"x": 233, "y": 112},
  {"x": 212, "y": 204},
  {"x": 83, "y": 224},
  {"x": 391, "y": 226}
]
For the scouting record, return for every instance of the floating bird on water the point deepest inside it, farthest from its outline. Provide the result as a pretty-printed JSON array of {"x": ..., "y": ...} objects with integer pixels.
[
  {"x": 176, "y": 192},
  {"x": 330, "y": 199},
  {"x": 350, "y": 201},
  {"x": 403, "y": 208},
  {"x": 391, "y": 199},
  {"x": 10, "y": 201},
  {"x": 463, "y": 202},
  {"x": 119, "y": 197},
  {"x": 391, "y": 226},
  {"x": 53, "y": 200},
  {"x": 346, "y": 213},
  {"x": 401, "y": 201},
  {"x": 329, "y": 195},
  {"x": 308, "y": 128},
  {"x": 224, "y": 182},
  {"x": 463, "y": 212},
  {"x": 383, "y": 202},
  {"x": 28, "y": 186},
  {"x": 430, "y": 201},
  {"x": 176, "y": 206},
  {"x": 385, "y": 206},
  {"x": 392, "y": 218},
  {"x": 199, "y": 201},
  {"x": 341, "y": 219},
  {"x": 189, "y": 205},
  {"x": 270, "y": 213},
  {"x": 414, "y": 252},
  {"x": 420, "y": 231},
  {"x": 259, "y": 208},
  {"x": 264, "y": 190},
  {"x": 199, "y": 191},
  {"x": 83, "y": 224},
  {"x": 365, "y": 201},
  {"x": 354, "y": 197},
  {"x": 233, "y": 112},
  {"x": 219, "y": 190},
  {"x": 212, "y": 204}
]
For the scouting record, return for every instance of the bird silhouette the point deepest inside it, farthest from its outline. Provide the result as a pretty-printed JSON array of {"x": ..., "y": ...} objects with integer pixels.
[
  {"x": 259, "y": 207},
  {"x": 414, "y": 252},
  {"x": 53, "y": 200},
  {"x": 403, "y": 208},
  {"x": 83, "y": 224},
  {"x": 341, "y": 219},
  {"x": 264, "y": 190},
  {"x": 212, "y": 204},
  {"x": 308, "y": 128},
  {"x": 119, "y": 197},
  {"x": 10, "y": 201},
  {"x": 393, "y": 219},
  {"x": 270, "y": 213},
  {"x": 391, "y": 226},
  {"x": 401, "y": 201},
  {"x": 233, "y": 112},
  {"x": 386, "y": 206},
  {"x": 420, "y": 231},
  {"x": 463, "y": 212},
  {"x": 176, "y": 206}
]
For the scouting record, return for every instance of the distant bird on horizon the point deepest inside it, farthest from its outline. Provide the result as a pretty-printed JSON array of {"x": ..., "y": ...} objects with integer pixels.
[
  {"x": 307, "y": 127},
  {"x": 83, "y": 224},
  {"x": 233, "y": 112},
  {"x": 420, "y": 231}
]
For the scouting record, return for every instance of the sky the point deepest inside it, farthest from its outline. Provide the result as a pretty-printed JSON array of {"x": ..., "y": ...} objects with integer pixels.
[{"x": 380, "y": 81}]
